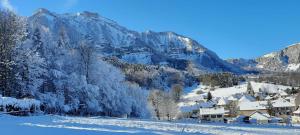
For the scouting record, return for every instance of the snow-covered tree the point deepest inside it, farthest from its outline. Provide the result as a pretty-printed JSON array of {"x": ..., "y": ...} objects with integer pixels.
[
  {"x": 168, "y": 107},
  {"x": 155, "y": 98},
  {"x": 250, "y": 90},
  {"x": 31, "y": 68},
  {"x": 162, "y": 105},
  {"x": 11, "y": 32}
]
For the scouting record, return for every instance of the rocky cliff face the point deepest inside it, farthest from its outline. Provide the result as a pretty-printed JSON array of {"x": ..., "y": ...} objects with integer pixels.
[{"x": 110, "y": 39}]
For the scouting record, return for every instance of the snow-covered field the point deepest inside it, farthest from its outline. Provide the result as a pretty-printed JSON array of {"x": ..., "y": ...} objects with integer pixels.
[{"x": 58, "y": 125}]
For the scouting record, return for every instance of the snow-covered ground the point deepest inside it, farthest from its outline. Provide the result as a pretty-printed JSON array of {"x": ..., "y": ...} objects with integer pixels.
[
  {"x": 191, "y": 93},
  {"x": 58, "y": 125}
]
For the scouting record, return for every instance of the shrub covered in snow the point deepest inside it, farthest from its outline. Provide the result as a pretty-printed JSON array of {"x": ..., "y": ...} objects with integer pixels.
[{"x": 19, "y": 106}]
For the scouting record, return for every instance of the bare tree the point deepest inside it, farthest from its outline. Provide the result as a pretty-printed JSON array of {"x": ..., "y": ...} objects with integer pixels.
[
  {"x": 168, "y": 108},
  {"x": 176, "y": 92},
  {"x": 155, "y": 99},
  {"x": 233, "y": 108},
  {"x": 297, "y": 100},
  {"x": 86, "y": 52}
]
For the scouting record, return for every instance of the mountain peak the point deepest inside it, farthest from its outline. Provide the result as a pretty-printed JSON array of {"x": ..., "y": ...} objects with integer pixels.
[
  {"x": 293, "y": 45},
  {"x": 42, "y": 11}
]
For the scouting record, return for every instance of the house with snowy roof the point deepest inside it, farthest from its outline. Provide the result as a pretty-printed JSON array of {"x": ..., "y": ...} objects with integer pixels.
[
  {"x": 214, "y": 114},
  {"x": 191, "y": 109},
  {"x": 281, "y": 107},
  {"x": 247, "y": 108},
  {"x": 259, "y": 117}
]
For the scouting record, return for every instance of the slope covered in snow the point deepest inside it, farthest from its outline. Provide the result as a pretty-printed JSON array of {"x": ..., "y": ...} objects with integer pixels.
[
  {"x": 111, "y": 39},
  {"x": 58, "y": 125},
  {"x": 285, "y": 60},
  {"x": 197, "y": 95}
]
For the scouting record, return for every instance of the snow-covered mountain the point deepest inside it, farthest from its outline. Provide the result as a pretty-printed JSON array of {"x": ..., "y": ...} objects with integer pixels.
[
  {"x": 111, "y": 39},
  {"x": 285, "y": 60}
]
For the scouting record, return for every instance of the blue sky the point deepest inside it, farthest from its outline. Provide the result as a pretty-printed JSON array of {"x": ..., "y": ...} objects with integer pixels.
[{"x": 231, "y": 28}]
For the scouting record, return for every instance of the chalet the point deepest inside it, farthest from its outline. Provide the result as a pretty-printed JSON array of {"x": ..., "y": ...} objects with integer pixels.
[
  {"x": 247, "y": 108},
  {"x": 281, "y": 106},
  {"x": 259, "y": 117},
  {"x": 215, "y": 114}
]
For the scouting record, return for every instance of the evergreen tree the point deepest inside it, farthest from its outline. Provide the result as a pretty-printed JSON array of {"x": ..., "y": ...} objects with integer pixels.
[
  {"x": 209, "y": 96},
  {"x": 11, "y": 33},
  {"x": 250, "y": 90}
]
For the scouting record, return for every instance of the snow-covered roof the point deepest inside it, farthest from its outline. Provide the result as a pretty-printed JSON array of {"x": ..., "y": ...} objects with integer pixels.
[
  {"x": 297, "y": 111},
  {"x": 191, "y": 106},
  {"x": 222, "y": 101},
  {"x": 231, "y": 98},
  {"x": 280, "y": 102},
  {"x": 268, "y": 97},
  {"x": 209, "y": 111},
  {"x": 283, "y": 93},
  {"x": 246, "y": 98},
  {"x": 257, "y": 105},
  {"x": 259, "y": 116}
]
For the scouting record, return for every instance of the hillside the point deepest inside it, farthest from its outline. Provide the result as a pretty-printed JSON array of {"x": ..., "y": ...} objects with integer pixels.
[
  {"x": 285, "y": 60},
  {"x": 111, "y": 39}
]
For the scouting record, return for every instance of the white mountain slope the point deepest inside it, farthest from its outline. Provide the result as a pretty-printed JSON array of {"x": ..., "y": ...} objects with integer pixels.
[
  {"x": 286, "y": 60},
  {"x": 111, "y": 39}
]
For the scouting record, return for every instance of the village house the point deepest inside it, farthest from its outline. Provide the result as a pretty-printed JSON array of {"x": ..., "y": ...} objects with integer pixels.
[
  {"x": 215, "y": 114},
  {"x": 282, "y": 107},
  {"x": 248, "y": 108},
  {"x": 259, "y": 118},
  {"x": 191, "y": 109}
]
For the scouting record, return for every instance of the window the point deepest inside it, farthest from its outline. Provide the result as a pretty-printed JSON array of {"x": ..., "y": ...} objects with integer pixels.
[
  {"x": 213, "y": 116},
  {"x": 219, "y": 116}
]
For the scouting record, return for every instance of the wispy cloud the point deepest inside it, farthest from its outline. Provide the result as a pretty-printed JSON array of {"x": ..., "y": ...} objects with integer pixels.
[{"x": 6, "y": 4}]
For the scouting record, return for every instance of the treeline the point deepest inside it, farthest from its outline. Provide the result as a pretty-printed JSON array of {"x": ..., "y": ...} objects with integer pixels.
[
  {"x": 220, "y": 79},
  {"x": 282, "y": 78},
  {"x": 151, "y": 76}
]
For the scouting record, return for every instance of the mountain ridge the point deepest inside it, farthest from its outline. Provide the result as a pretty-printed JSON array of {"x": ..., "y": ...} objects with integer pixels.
[
  {"x": 284, "y": 60},
  {"x": 111, "y": 39}
]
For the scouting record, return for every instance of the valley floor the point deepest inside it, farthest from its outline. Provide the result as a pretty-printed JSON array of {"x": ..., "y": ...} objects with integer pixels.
[{"x": 58, "y": 125}]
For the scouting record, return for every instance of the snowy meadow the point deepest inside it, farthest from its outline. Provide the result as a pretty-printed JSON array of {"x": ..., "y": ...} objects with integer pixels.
[{"x": 60, "y": 125}]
